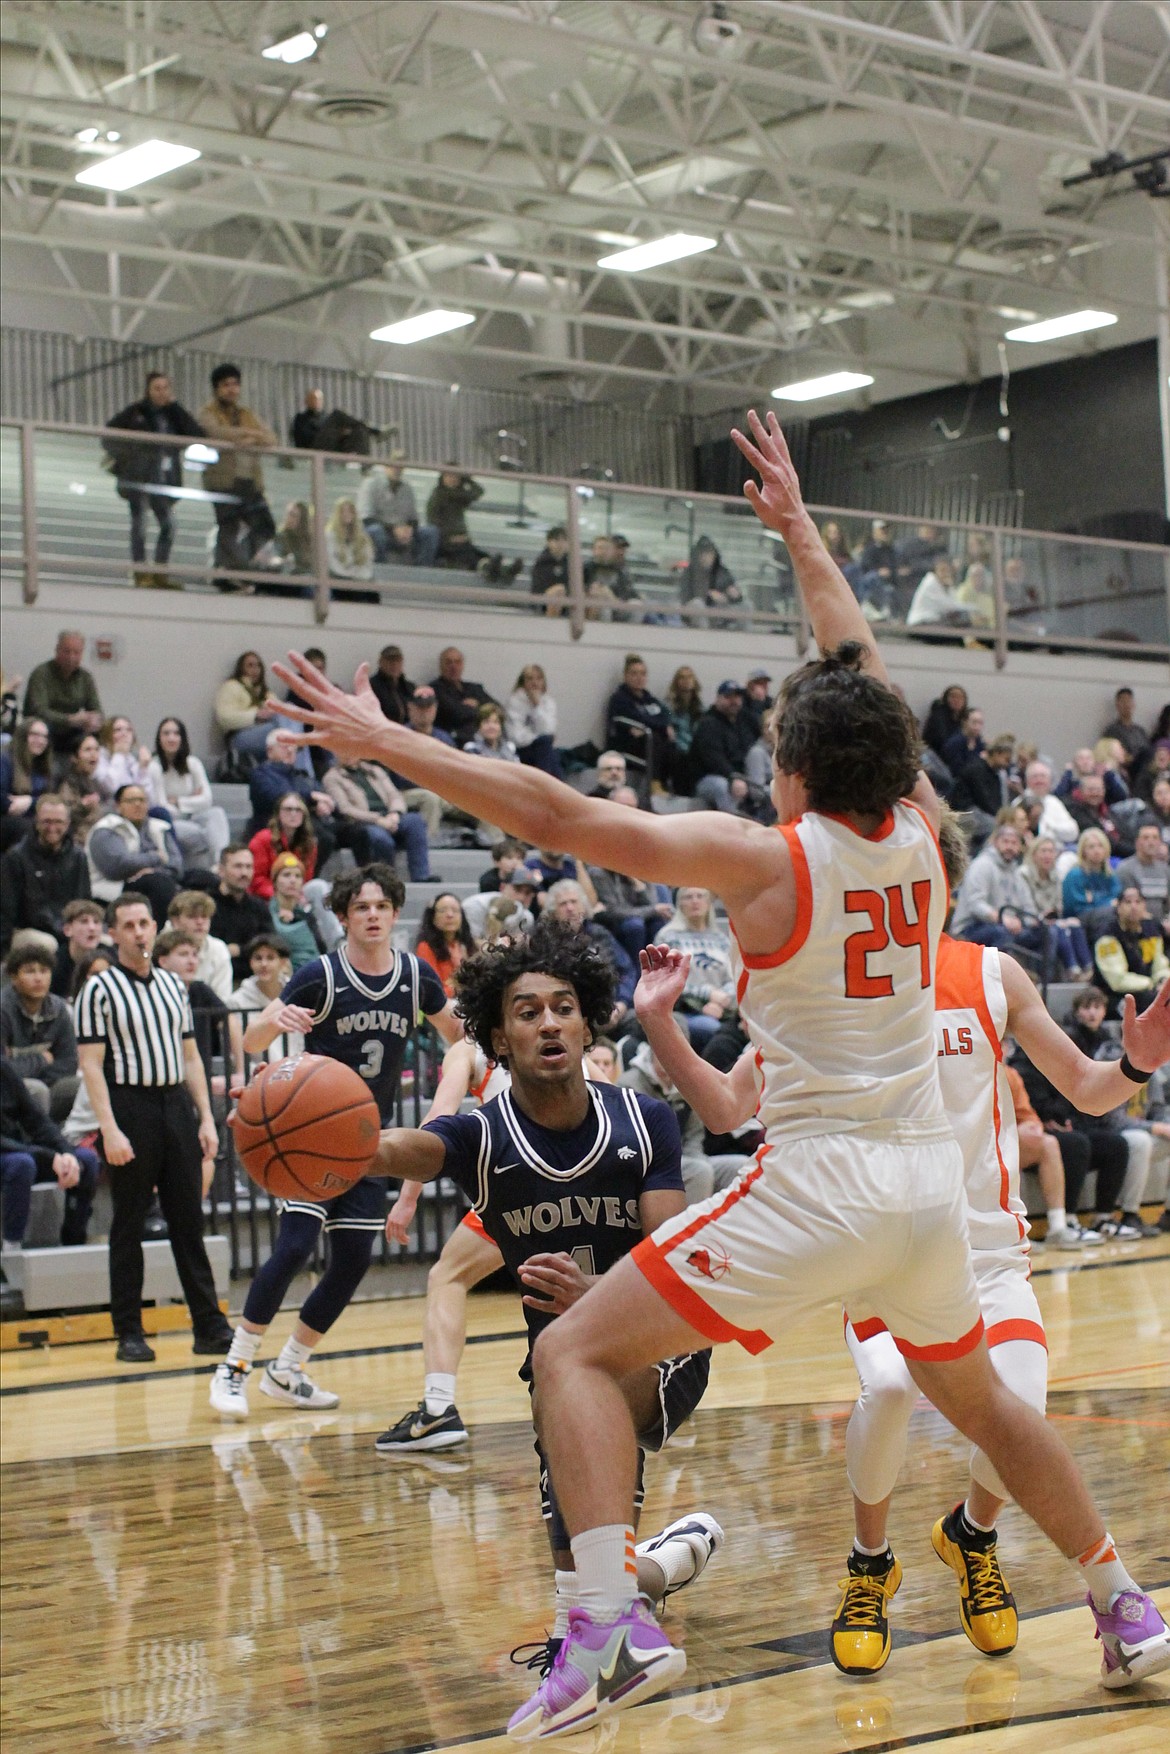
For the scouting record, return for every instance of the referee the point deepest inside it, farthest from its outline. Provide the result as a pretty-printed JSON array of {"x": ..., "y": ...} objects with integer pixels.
[{"x": 145, "y": 1080}]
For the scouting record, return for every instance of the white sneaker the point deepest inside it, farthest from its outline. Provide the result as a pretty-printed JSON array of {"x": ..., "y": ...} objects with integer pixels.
[
  {"x": 1072, "y": 1237},
  {"x": 699, "y": 1532},
  {"x": 295, "y": 1389},
  {"x": 229, "y": 1390}
]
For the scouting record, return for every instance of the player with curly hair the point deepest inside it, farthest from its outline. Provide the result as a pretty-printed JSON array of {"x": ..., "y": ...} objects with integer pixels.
[{"x": 566, "y": 1176}]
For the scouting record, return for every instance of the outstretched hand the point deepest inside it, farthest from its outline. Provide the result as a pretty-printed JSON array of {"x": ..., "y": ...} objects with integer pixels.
[
  {"x": 353, "y": 725},
  {"x": 663, "y": 978},
  {"x": 777, "y": 503},
  {"x": 1146, "y": 1039}
]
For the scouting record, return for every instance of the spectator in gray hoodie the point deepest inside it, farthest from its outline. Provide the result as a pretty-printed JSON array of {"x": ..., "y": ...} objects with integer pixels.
[{"x": 387, "y": 509}]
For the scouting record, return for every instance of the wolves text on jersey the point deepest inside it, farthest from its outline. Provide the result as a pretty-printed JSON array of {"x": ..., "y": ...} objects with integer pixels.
[
  {"x": 574, "y": 1209},
  {"x": 381, "y": 1022}
]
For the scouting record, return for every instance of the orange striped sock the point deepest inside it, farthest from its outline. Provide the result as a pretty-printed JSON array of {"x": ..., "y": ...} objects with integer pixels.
[
  {"x": 607, "y": 1570},
  {"x": 1103, "y": 1572}
]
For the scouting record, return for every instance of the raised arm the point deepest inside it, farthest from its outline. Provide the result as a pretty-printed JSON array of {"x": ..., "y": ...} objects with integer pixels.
[
  {"x": 1092, "y": 1086},
  {"x": 409, "y": 1153},
  {"x": 723, "y": 1101}
]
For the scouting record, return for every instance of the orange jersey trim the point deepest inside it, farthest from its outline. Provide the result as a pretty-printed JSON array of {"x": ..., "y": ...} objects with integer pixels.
[
  {"x": 884, "y": 827},
  {"x": 959, "y": 986},
  {"x": 1017, "y": 1329},
  {"x": 947, "y": 1350},
  {"x": 650, "y": 1259},
  {"x": 867, "y": 1329},
  {"x": 475, "y": 1224},
  {"x": 911, "y": 805},
  {"x": 804, "y": 912}
]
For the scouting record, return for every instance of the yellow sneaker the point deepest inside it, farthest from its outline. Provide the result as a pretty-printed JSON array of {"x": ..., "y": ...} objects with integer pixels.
[
  {"x": 860, "y": 1635},
  {"x": 987, "y": 1608}
]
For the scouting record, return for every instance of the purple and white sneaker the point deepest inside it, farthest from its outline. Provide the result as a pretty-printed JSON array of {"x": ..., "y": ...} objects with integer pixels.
[
  {"x": 1135, "y": 1640},
  {"x": 600, "y": 1669}
]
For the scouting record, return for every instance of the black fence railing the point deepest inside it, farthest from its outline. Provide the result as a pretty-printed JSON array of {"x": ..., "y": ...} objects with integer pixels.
[{"x": 248, "y": 1216}]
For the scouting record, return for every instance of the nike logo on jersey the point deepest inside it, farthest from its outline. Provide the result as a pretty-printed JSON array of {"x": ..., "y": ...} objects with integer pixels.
[
  {"x": 627, "y": 1151},
  {"x": 503, "y": 1168}
]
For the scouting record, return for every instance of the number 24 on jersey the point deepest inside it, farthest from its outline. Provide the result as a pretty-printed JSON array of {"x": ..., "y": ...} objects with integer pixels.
[{"x": 890, "y": 919}]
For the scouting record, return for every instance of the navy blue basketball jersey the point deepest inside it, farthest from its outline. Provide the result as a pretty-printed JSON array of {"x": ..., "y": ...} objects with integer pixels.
[
  {"x": 365, "y": 1020},
  {"x": 542, "y": 1192}
]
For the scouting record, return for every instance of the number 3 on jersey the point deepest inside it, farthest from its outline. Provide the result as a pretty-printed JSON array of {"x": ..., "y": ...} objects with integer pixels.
[{"x": 888, "y": 918}]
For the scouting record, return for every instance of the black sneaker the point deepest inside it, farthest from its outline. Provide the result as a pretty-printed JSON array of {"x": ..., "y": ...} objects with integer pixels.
[
  {"x": 540, "y": 1657},
  {"x": 215, "y": 1344},
  {"x": 1164, "y": 1221},
  {"x": 421, "y": 1430},
  {"x": 132, "y": 1349}
]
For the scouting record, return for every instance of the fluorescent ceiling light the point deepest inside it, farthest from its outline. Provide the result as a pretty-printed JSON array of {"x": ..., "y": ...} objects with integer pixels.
[
  {"x": 87, "y": 136},
  {"x": 835, "y": 384},
  {"x": 296, "y": 48},
  {"x": 422, "y": 327},
  {"x": 1018, "y": 315},
  {"x": 154, "y": 158},
  {"x": 1075, "y": 323},
  {"x": 653, "y": 255}
]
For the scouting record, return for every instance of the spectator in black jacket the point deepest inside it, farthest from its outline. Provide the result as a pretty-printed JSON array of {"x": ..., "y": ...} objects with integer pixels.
[
  {"x": 757, "y": 702},
  {"x": 36, "y": 1030},
  {"x": 1108, "y": 1151},
  {"x": 637, "y": 723},
  {"x": 140, "y": 468},
  {"x": 34, "y": 1149},
  {"x": 458, "y": 701},
  {"x": 41, "y": 875},
  {"x": 268, "y": 783},
  {"x": 239, "y": 916},
  {"x": 392, "y": 688},
  {"x": 1087, "y": 806},
  {"x": 945, "y": 719},
  {"x": 83, "y": 925},
  {"x": 305, "y": 428},
  {"x": 722, "y": 739},
  {"x": 981, "y": 787},
  {"x": 550, "y": 570},
  {"x": 965, "y": 743}
]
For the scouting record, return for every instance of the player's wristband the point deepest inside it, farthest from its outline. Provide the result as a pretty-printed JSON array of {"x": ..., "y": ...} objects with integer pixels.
[{"x": 1131, "y": 1071}]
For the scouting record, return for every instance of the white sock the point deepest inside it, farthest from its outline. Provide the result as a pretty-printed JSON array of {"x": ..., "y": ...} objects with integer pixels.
[
  {"x": 566, "y": 1598},
  {"x": 243, "y": 1348},
  {"x": 676, "y": 1561},
  {"x": 607, "y": 1570},
  {"x": 870, "y": 1552},
  {"x": 293, "y": 1355},
  {"x": 439, "y": 1391},
  {"x": 983, "y": 1528},
  {"x": 1103, "y": 1573},
  {"x": 1057, "y": 1219}
]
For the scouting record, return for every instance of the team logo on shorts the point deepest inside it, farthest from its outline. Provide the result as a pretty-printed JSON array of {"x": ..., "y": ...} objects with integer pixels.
[{"x": 712, "y": 1263}]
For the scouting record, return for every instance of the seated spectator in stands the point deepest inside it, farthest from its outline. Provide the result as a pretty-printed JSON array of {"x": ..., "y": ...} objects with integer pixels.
[
  {"x": 447, "y": 507},
  {"x": 917, "y": 554},
  {"x": 981, "y": 786},
  {"x": 936, "y": 602},
  {"x": 141, "y": 470},
  {"x": 1045, "y": 889},
  {"x": 77, "y": 785},
  {"x": 977, "y": 595},
  {"x": 1088, "y": 809},
  {"x": 602, "y": 1062},
  {"x": 944, "y": 720},
  {"x": 445, "y": 939},
  {"x": 1108, "y": 1153},
  {"x": 1124, "y": 729},
  {"x": 457, "y": 701},
  {"x": 305, "y": 426},
  {"x": 1083, "y": 1026},
  {"x": 178, "y": 951},
  {"x": 1090, "y": 885},
  {"x": 83, "y": 927},
  {"x": 994, "y": 900},
  {"x": 191, "y": 912},
  {"x": 1061, "y": 1162},
  {"x": 489, "y": 739},
  {"x": 290, "y": 917},
  {"x": 1155, "y": 768},
  {"x": 320, "y": 760},
  {"x": 835, "y": 544},
  {"x": 26, "y": 771},
  {"x": 364, "y": 793},
  {"x": 177, "y": 781},
  {"x": 34, "y": 1149},
  {"x": 350, "y": 550},
  {"x": 705, "y": 583},
  {"x": 93, "y": 962},
  {"x": 568, "y": 902},
  {"x": 1082, "y": 766},
  {"x": 722, "y": 739},
  {"x": 550, "y": 570},
  {"x": 64, "y": 694},
  {"x": 278, "y": 775},
  {"x": 506, "y": 856},
  {"x": 270, "y": 967},
  {"x": 1054, "y": 817},
  {"x": 389, "y": 515},
  {"x": 421, "y": 711},
  {"x": 1158, "y": 809},
  {"x": 36, "y": 1030},
  {"x": 130, "y": 849},
  {"x": 555, "y": 867},
  {"x": 246, "y": 711},
  {"x": 511, "y": 908},
  {"x": 684, "y": 708},
  {"x": 243, "y": 519},
  {"x": 873, "y": 574},
  {"x": 291, "y": 548},
  {"x": 709, "y": 994},
  {"x": 637, "y": 723},
  {"x": 239, "y": 915},
  {"x": 965, "y": 743},
  {"x": 611, "y": 774},
  {"x": 1149, "y": 869},
  {"x": 9, "y": 702},
  {"x": 608, "y": 582},
  {"x": 1109, "y": 757},
  {"x": 633, "y": 910},
  {"x": 1130, "y": 953},
  {"x": 40, "y": 875},
  {"x": 124, "y": 761},
  {"x": 646, "y": 1074},
  {"x": 392, "y": 688},
  {"x": 290, "y": 830},
  {"x": 757, "y": 701},
  {"x": 531, "y": 721}
]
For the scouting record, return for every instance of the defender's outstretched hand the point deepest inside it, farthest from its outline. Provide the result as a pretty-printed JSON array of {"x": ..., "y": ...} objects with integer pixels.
[
  {"x": 777, "y": 502},
  {"x": 663, "y": 979},
  {"x": 351, "y": 725},
  {"x": 1146, "y": 1039}
]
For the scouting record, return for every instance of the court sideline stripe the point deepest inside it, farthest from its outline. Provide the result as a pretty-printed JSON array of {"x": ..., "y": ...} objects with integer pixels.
[{"x": 179, "y": 1371}]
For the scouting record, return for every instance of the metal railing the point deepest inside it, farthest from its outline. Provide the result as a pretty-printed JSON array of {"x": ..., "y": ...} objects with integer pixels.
[{"x": 1064, "y": 593}]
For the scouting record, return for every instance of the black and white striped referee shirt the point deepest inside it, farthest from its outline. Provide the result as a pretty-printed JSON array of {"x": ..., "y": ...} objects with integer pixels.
[{"x": 143, "y": 1023}]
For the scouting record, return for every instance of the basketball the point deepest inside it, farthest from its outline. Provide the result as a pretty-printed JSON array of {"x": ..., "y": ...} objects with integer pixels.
[{"x": 306, "y": 1128}]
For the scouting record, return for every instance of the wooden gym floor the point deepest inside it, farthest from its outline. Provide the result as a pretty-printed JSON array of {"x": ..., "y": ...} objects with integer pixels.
[{"x": 277, "y": 1588}]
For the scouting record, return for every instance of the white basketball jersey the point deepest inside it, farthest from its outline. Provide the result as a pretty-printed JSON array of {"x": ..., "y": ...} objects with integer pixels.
[
  {"x": 970, "y": 1019},
  {"x": 842, "y": 1015},
  {"x": 488, "y": 1078}
]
